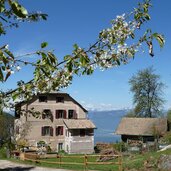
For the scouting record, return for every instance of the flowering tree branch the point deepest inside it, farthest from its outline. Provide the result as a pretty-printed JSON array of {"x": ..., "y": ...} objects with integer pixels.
[{"x": 115, "y": 46}]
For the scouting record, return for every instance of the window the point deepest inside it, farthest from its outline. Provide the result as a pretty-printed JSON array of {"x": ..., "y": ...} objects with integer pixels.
[
  {"x": 46, "y": 114},
  {"x": 47, "y": 131},
  {"x": 42, "y": 98},
  {"x": 90, "y": 132},
  {"x": 82, "y": 132},
  {"x": 60, "y": 114},
  {"x": 59, "y": 99},
  {"x": 70, "y": 114},
  {"x": 60, "y": 146},
  {"x": 59, "y": 130},
  {"x": 75, "y": 132}
]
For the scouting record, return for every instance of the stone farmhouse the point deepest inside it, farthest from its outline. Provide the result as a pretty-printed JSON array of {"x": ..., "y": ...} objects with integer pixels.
[{"x": 61, "y": 122}]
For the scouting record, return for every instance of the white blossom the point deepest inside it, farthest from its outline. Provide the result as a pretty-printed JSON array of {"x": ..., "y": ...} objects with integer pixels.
[{"x": 18, "y": 68}]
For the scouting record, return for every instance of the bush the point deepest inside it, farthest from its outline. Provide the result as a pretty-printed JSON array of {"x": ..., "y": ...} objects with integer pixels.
[
  {"x": 62, "y": 152},
  {"x": 169, "y": 119},
  {"x": 120, "y": 146},
  {"x": 22, "y": 143},
  {"x": 3, "y": 153},
  {"x": 48, "y": 149},
  {"x": 96, "y": 149},
  {"x": 166, "y": 139},
  {"x": 41, "y": 144}
]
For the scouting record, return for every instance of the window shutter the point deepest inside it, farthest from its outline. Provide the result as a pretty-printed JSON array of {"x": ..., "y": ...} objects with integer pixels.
[
  {"x": 51, "y": 117},
  {"x": 43, "y": 133},
  {"x": 57, "y": 114},
  {"x": 43, "y": 116},
  {"x": 64, "y": 114},
  {"x": 56, "y": 131},
  {"x": 51, "y": 131},
  {"x": 62, "y": 130},
  {"x": 75, "y": 114}
]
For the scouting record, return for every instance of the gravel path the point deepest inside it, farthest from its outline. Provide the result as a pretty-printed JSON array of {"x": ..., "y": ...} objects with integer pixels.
[{"x": 6, "y": 165}]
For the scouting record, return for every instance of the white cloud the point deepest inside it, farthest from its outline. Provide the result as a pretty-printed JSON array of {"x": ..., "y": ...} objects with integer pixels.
[{"x": 102, "y": 106}]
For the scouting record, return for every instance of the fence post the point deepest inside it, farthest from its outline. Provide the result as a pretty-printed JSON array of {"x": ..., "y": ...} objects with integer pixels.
[
  {"x": 85, "y": 162},
  {"x": 120, "y": 162},
  {"x": 22, "y": 156},
  {"x": 60, "y": 160}
]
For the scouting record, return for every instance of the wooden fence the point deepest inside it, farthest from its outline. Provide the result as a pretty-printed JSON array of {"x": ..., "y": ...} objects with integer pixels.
[{"x": 85, "y": 163}]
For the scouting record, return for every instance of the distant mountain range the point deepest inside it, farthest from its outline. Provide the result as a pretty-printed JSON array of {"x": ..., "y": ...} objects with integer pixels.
[{"x": 106, "y": 123}]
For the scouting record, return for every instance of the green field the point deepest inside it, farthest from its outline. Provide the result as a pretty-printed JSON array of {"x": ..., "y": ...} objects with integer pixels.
[{"x": 133, "y": 161}]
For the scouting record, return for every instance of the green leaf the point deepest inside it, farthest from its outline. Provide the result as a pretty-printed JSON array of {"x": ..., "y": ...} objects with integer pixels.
[
  {"x": 75, "y": 46},
  {"x": 52, "y": 58},
  {"x": 44, "y": 56},
  {"x": 44, "y": 44},
  {"x": 145, "y": 6},
  {"x": 84, "y": 60},
  {"x": 132, "y": 35},
  {"x": 15, "y": 95},
  {"x": 159, "y": 38},
  {"x": 9, "y": 53},
  {"x": 1, "y": 75},
  {"x": 67, "y": 57},
  {"x": 18, "y": 10},
  {"x": 5, "y": 59},
  {"x": 76, "y": 71},
  {"x": 90, "y": 71},
  {"x": 7, "y": 75},
  {"x": 36, "y": 75},
  {"x": 44, "y": 16},
  {"x": 147, "y": 16},
  {"x": 137, "y": 16},
  {"x": 3, "y": 68},
  {"x": 70, "y": 66},
  {"x": 2, "y": 8},
  {"x": 118, "y": 62}
]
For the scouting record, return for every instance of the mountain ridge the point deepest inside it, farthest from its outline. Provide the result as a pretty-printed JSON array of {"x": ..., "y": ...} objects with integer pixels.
[{"x": 106, "y": 123}]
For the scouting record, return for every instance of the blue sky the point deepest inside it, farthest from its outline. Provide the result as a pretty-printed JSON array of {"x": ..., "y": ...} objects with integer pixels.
[{"x": 80, "y": 22}]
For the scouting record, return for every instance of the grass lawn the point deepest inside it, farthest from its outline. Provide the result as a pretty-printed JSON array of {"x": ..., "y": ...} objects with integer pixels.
[
  {"x": 74, "y": 159},
  {"x": 135, "y": 161}
]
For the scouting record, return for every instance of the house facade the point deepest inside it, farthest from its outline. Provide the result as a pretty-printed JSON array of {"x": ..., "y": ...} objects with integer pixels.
[
  {"x": 144, "y": 129},
  {"x": 58, "y": 120}
]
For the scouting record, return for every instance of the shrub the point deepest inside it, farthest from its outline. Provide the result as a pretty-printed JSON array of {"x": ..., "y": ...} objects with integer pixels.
[
  {"x": 166, "y": 139},
  {"x": 3, "y": 153},
  {"x": 120, "y": 146},
  {"x": 62, "y": 152},
  {"x": 41, "y": 144},
  {"x": 22, "y": 143},
  {"x": 48, "y": 149}
]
